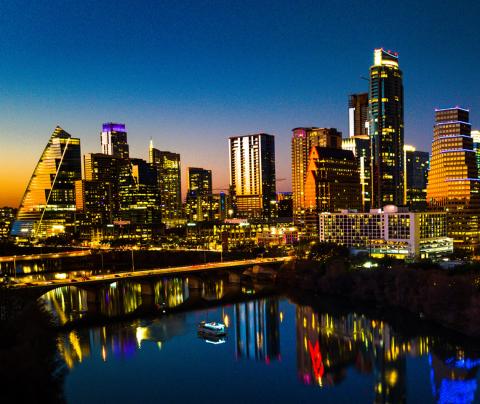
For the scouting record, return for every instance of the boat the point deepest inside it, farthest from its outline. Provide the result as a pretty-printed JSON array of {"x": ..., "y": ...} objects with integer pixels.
[{"x": 211, "y": 329}]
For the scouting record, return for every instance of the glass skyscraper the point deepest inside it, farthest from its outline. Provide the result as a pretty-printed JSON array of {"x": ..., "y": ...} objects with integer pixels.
[
  {"x": 386, "y": 129},
  {"x": 48, "y": 205},
  {"x": 114, "y": 140}
]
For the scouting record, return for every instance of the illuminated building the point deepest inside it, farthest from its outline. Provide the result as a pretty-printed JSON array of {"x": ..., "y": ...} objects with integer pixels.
[
  {"x": 7, "y": 216},
  {"x": 359, "y": 145},
  {"x": 199, "y": 181},
  {"x": 114, "y": 140},
  {"x": 252, "y": 175},
  {"x": 201, "y": 205},
  {"x": 303, "y": 139},
  {"x": 392, "y": 231},
  {"x": 332, "y": 183},
  {"x": 48, "y": 205},
  {"x": 358, "y": 115},
  {"x": 257, "y": 330},
  {"x": 476, "y": 146},
  {"x": 416, "y": 177},
  {"x": 169, "y": 185},
  {"x": 453, "y": 182},
  {"x": 386, "y": 129},
  {"x": 140, "y": 202}
]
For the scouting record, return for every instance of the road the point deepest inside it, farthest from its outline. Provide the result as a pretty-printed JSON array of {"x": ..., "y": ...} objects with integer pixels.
[
  {"x": 145, "y": 273},
  {"x": 65, "y": 254}
]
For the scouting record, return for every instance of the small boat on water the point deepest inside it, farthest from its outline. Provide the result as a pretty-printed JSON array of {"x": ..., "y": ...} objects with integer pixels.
[{"x": 211, "y": 329}]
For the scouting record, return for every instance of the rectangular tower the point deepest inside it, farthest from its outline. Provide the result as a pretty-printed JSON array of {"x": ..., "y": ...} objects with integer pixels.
[
  {"x": 252, "y": 175},
  {"x": 416, "y": 176},
  {"x": 114, "y": 140},
  {"x": 358, "y": 114},
  {"x": 303, "y": 140},
  {"x": 386, "y": 129}
]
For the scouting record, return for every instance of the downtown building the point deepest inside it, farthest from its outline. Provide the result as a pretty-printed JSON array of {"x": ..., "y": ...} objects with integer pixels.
[
  {"x": 332, "y": 184},
  {"x": 168, "y": 169},
  {"x": 453, "y": 183},
  {"x": 252, "y": 176},
  {"x": 391, "y": 231},
  {"x": 303, "y": 139},
  {"x": 48, "y": 205},
  {"x": 386, "y": 130},
  {"x": 417, "y": 164}
]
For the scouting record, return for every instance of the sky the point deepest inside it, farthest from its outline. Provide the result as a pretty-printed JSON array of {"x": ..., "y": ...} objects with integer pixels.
[{"x": 189, "y": 74}]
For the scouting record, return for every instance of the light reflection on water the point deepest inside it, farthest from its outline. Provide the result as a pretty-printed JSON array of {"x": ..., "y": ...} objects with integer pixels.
[{"x": 291, "y": 352}]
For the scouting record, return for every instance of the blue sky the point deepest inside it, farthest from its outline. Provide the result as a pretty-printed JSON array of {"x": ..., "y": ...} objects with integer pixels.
[{"x": 191, "y": 73}]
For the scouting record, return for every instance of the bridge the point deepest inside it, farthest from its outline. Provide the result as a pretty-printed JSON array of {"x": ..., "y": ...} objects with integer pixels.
[{"x": 139, "y": 274}]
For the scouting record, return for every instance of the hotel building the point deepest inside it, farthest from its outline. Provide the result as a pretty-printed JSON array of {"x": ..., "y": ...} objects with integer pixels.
[{"x": 393, "y": 231}]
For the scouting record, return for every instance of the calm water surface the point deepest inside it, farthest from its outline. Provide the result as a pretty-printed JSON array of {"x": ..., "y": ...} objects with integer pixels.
[{"x": 275, "y": 350}]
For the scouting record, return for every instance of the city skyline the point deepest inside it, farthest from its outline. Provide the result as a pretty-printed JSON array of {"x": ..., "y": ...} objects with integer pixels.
[{"x": 239, "y": 84}]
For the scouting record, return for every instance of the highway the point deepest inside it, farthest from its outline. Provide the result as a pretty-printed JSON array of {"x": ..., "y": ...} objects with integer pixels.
[
  {"x": 64, "y": 254},
  {"x": 144, "y": 273}
]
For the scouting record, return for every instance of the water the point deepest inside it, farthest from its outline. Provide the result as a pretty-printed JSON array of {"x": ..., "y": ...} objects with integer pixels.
[{"x": 138, "y": 343}]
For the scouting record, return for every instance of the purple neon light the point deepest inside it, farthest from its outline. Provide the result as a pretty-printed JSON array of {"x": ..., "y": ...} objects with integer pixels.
[
  {"x": 451, "y": 109},
  {"x": 449, "y": 122},
  {"x": 457, "y": 150},
  {"x": 113, "y": 127}
]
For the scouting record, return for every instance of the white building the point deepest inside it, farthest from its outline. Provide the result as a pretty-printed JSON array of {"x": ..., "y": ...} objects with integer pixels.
[{"x": 392, "y": 231}]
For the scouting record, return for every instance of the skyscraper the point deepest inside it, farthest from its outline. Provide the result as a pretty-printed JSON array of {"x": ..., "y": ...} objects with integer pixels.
[
  {"x": 386, "y": 129},
  {"x": 252, "y": 175},
  {"x": 303, "y": 140},
  {"x": 476, "y": 146},
  {"x": 199, "y": 181},
  {"x": 114, "y": 140},
  {"x": 416, "y": 177},
  {"x": 48, "y": 204},
  {"x": 333, "y": 183},
  {"x": 167, "y": 165},
  {"x": 358, "y": 114},
  {"x": 453, "y": 182}
]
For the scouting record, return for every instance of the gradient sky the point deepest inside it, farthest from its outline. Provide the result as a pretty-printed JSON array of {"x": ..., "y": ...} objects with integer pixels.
[{"x": 191, "y": 73}]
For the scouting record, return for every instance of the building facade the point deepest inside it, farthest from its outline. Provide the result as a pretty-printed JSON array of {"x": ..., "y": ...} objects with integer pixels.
[
  {"x": 114, "y": 140},
  {"x": 417, "y": 164},
  {"x": 303, "y": 139},
  {"x": 252, "y": 175},
  {"x": 386, "y": 129},
  {"x": 48, "y": 205},
  {"x": 168, "y": 169},
  {"x": 358, "y": 115},
  {"x": 389, "y": 232},
  {"x": 453, "y": 182}
]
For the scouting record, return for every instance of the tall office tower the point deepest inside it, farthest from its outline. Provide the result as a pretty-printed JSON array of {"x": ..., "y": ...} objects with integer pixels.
[
  {"x": 48, "y": 205},
  {"x": 169, "y": 184},
  {"x": 252, "y": 175},
  {"x": 303, "y": 140},
  {"x": 114, "y": 140},
  {"x": 199, "y": 181},
  {"x": 417, "y": 164},
  {"x": 453, "y": 182},
  {"x": 359, "y": 145},
  {"x": 333, "y": 183},
  {"x": 476, "y": 146},
  {"x": 358, "y": 114},
  {"x": 386, "y": 129}
]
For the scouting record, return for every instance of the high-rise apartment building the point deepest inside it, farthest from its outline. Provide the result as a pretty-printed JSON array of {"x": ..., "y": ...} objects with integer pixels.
[
  {"x": 303, "y": 140},
  {"x": 358, "y": 115},
  {"x": 453, "y": 182},
  {"x": 48, "y": 205},
  {"x": 416, "y": 177},
  {"x": 386, "y": 129},
  {"x": 167, "y": 165},
  {"x": 114, "y": 140},
  {"x": 252, "y": 175}
]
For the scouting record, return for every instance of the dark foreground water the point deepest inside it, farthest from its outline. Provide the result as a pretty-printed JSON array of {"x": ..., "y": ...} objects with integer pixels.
[{"x": 275, "y": 351}]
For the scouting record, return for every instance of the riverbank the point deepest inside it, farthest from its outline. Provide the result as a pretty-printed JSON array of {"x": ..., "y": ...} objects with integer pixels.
[{"x": 447, "y": 297}]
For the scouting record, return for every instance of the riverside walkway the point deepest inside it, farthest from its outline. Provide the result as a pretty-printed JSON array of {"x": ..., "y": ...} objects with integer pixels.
[{"x": 143, "y": 273}]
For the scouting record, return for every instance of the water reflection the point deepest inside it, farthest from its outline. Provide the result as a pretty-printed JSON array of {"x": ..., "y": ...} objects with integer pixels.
[{"x": 330, "y": 350}]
